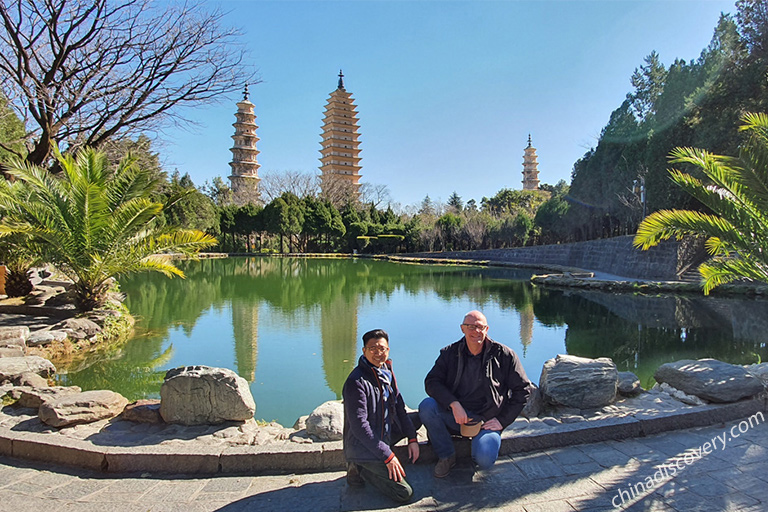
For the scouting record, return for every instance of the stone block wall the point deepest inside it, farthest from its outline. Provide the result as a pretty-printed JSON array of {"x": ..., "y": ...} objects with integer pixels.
[{"x": 614, "y": 256}]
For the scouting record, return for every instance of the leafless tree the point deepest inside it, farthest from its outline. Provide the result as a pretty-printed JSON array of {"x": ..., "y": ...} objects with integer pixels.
[
  {"x": 299, "y": 183},
  {"x": 82, "y": 71},
  {"x": 376, "y": 194}
]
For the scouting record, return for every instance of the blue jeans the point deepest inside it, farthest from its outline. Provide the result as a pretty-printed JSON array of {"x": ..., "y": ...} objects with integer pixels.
[{"x": 440, "y": 425}]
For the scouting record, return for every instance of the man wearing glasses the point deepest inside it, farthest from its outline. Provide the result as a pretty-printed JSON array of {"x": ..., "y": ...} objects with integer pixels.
[
  {"x": 475, "y": 378},
  {"x": 374, "y": 420}
]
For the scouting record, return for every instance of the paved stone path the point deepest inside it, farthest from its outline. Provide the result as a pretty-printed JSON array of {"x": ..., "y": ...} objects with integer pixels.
[{"x": 577, "y": 478}]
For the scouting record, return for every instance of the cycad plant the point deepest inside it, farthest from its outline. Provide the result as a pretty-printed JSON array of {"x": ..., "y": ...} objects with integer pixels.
[
  {"x": 93, "y": 222},
  {"x": 736, "y": 192},
  {"x": 18, "y": 258}
]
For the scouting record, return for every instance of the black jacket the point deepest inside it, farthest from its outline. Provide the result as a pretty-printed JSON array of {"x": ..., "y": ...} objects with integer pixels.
[
  {"x": 506, "y": 384},
  {"x": 364, "y": 416}
]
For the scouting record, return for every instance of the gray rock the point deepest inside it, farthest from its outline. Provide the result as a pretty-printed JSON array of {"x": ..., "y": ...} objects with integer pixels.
[
  {"x": 29, "y": 396},
  {"x": 710, "y": 379},
  {"x": 533, "y": 406},
  {"x": 629, "y": 384},
  {"x": 12, "y": 367},
  {"x": 680, "y": 395},
  {"x": 579, "y": 382},
  {"x": 32, "y": 380},
  {"x": 13, "y": 343},
  {"x": 43, "y": 338},
  {"x": 79, "y": 408},
  {"x": 12, "y": 352},
  {"x": 202, "y": 395},
  {"x": 301, "y": 423},
  {"x": 760, "y": 371},
  {"x": 326, "y": 422},
  {"x": 14, "y": 331},
  {"x": 78, "y": 328},
  {"x": 143, "y": 411}
]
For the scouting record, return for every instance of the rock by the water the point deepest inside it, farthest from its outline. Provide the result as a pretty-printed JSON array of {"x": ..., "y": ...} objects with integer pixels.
[
  {"x": 710, "y": 379},
  {"x": 78, "y": 328},
  {"x": 14, "y": 331},
  {"x": 579, "y": 382},
  {"x": 301, "y": 423},
  {"x": 43, "y": 338},
  {"x": 533, "y": 406},
  {"x": 629, "y": 384},
  {"x": 85, "y": 407},
  {"x": 13, "y": 343},
  {"x": 12, "y": 352},
  {"x": 143, "y": 411},
  {"x": 202, "y": 395},
  {"x": 29, "y": 396},
  {"x": 680, "y": 395},
  {"x": 13, "y": 367},
  {"x": 760, "y": 371},
  {"x": 326, "y": 422},
  {"x": 31, "y": 379}
]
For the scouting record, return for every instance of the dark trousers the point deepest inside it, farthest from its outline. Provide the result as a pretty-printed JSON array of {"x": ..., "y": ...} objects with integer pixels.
[{"x": 376, "y": 473}]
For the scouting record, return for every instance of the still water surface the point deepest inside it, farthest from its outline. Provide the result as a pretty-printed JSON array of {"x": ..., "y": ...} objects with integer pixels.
[{"x": 291, "y": 326}]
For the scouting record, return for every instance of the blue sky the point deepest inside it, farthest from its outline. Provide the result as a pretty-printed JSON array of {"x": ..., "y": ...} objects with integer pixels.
[{"x": 447, "y": 92}]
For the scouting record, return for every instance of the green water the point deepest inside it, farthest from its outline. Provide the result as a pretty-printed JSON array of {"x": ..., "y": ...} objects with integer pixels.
[{"x": 291, "y": 326}]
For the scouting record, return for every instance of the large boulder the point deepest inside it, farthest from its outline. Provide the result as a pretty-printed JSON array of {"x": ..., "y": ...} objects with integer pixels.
[
  {"x": 579, "y": 382},
  {"x": 709, "y": 379},
  {"x": 12, "y": 367},
  {"x": 326, "y": 422},
  {"x": 202, "y": 395},
  {"x": 85, "y": 407}
]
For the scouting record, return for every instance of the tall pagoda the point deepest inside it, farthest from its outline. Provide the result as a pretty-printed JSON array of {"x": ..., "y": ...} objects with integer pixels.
[
  {"x": 530, "y": 168},
  {"x": 340, "y": 152},
  {"x": 245, "y": 167}
]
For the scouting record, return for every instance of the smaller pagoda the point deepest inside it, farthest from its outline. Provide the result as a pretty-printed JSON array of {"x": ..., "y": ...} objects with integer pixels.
[
  {"x": 245, "y": 167},
  {"x": 530, "y": 168}
]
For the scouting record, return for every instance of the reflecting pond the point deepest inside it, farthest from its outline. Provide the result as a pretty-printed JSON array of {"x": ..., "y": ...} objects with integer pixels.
[{"x": 291, "y": 326}]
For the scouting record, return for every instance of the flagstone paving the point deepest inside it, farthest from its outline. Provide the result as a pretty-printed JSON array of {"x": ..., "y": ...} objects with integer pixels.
[{"x": 588, "y": 478}]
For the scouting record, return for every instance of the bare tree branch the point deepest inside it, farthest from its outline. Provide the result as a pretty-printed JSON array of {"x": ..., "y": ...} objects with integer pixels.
[{"x": 83, "y": 71}]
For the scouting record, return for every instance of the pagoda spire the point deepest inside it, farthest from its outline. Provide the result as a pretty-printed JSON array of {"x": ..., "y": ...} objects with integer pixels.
[
  {"x": 530, "y": 167},
  {"x": 340, "y": 147},
  {"x": 245, "y": 167}
]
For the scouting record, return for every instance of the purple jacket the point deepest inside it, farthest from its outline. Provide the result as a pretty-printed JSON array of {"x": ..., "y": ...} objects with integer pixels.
[{"x": 364, "y": 416}]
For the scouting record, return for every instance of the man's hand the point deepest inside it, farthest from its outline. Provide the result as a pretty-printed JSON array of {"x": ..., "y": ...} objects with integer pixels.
[
  {"x": 413, "y": 452},
  {"x": 492, "y": 424},
  {"x": 459, "y": 414},
  {"x": 395, "y": 469}
]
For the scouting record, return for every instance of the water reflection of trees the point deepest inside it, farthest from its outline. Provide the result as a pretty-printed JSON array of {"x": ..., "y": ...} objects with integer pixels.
[
  {"x": 642, "y": 332},
  {"x": 639, "y": 333}
]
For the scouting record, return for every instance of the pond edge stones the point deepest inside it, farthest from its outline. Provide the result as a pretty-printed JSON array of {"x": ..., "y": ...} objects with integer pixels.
[
  {"x": 203, "y": 395},
  {"x": 579, "y": 382},
  {"x": 710, "y": 379}
]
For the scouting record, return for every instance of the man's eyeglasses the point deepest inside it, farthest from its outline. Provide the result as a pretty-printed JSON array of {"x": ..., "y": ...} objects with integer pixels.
[
  {"x": 378, "y": 350},
  {"x": 475, "y": 327}
]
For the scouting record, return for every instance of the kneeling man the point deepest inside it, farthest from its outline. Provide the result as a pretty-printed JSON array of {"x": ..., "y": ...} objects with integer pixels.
[
  {"x": 374, "y": 420},
  {"x": 473, "y": 379}
]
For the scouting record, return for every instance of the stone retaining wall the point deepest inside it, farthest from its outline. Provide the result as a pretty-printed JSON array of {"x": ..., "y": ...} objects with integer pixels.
[{"x": 614, "y": 256}]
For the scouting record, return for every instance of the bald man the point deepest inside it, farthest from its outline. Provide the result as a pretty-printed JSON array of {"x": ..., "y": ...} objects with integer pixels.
[{"x": 475, "y": 378}]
